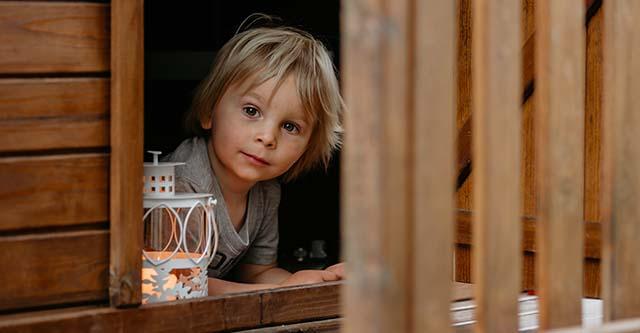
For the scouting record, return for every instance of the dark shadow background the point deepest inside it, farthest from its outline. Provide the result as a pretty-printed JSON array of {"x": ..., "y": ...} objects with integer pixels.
[{"x": 181, "y": 39}]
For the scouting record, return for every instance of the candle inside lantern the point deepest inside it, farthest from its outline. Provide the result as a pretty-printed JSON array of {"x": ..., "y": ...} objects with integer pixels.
[{"x": 177, "y": 278}]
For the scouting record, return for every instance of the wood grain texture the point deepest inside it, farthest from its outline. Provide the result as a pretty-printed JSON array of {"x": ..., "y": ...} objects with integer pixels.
[
  {"x": 592, "y": 234},
  {"x": 53, "y": 268},
  {"x": 593, "y": 119},
  {"x": 127, "y": 112},
  {"x": 496, "y": 143},
  {"x": 560, "y": 63},
  {"x": 38, "y": 37},
  {"x": 50, "y": 191},
  {"x": 40, "y": 114},
  {"x": 210, "y": 314},
  {"x": 321, "y": 326},
  {"x": 320, "y": 301},
  {"x": 376, "y": 166},
  {"x": 621, "y": 188},
  {"x": 433, "y": 189}
]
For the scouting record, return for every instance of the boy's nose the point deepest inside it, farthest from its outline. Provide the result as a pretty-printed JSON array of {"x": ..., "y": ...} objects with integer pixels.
[{"x": 267, "y": 138}]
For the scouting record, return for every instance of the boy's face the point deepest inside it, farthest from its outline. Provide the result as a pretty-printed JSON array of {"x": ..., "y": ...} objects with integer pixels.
[{"x": 258, "y": 132}]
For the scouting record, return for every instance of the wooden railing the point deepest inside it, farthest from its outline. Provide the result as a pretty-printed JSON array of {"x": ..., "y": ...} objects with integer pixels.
[{"x": 398, "y": 217}]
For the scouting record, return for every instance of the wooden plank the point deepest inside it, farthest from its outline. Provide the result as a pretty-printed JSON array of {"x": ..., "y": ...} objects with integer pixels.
[
  {"x": 496, "y": 142},
  {"x": 434, "y": 182},
  {"x": 56, "y": 190},
  {"x": 37, "y": 37},
  {"x": 53, "y": 268},
  {"x": 559, "y": 129},
  {"x": 39, "y": 114},
  {"x": 321, "y": 326},
  {"x": 377, "y": 175},
  {"x": 593, "y": 119},
  {"x": 622, "y": 187},
  {"x": 321, "y": 301},
  {"x": 127, "y": 112},
  {"x": 592, "y": 234}
]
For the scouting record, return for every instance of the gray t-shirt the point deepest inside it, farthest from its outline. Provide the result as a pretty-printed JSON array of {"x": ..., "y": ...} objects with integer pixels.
[{"x": 257, "y": 240}]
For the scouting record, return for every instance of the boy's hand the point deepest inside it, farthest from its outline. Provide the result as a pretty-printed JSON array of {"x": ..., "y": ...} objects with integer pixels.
[{"x": 332, "y": 273}]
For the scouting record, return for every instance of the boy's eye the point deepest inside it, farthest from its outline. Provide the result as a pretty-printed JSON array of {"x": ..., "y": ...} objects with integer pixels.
[
  {"x": 290, "y": 127},
  {"x": 250, "y": 111}
]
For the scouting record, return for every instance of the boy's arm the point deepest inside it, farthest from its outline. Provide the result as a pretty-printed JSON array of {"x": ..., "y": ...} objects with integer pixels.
[{"x": 256, "y": 277}]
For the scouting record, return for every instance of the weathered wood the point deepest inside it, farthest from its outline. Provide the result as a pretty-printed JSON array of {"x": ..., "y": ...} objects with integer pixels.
[
  {"x": 433, "y": 177},
  {"x": 377, "y": 184},
  {"x": 320, "y": 302},
  {"x": 53, "y": 268},
  {"x": 127, "y": 103},
  {"x": 56, "y": 190},
  {"x": 210, "y": 314},
  {"x": 39, "y": 114},
  {"x": 496, "y": 143},
  {"x": 37, "y": 37},
  {"x": 560, "y": 143},
  {"x": 622, "y": 185}
]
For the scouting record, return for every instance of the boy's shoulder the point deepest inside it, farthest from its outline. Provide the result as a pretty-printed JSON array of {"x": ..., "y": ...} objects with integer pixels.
[{"x": 192, "y": 152}]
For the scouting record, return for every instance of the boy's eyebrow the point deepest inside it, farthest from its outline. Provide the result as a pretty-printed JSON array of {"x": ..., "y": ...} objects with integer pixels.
[{"x": 255, "y": 95}]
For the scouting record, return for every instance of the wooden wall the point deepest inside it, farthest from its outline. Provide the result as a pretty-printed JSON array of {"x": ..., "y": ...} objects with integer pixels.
[
  {"x": 54, "y": 154},
  {"x": 592, "y": 141}
]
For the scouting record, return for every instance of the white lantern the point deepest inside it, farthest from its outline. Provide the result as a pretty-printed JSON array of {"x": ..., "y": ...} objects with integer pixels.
[{"x": 180, "y": 237}]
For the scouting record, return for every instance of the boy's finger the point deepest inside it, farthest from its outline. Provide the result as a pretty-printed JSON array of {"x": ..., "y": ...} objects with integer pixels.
[{"x": 338, "y": 269}]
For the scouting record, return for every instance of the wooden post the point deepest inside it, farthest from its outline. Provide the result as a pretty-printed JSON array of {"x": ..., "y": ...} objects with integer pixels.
[
  {"x": 496, "y": 142},
  {"x": 560, "y": 144},
  {"x": 377, "y": 174},
  {"x": 434, "y": 180},
  {"x": 621, "y": 235},
  {"x": 127, "y": 104}
]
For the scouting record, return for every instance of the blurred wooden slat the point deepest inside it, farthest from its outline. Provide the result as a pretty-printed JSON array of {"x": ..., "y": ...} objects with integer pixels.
[
  {"x": 39, "y": 114},
  {"x": 38, "y": 37},
  {"x": 377, "y": 181},
  {"x": 621, "y": 284},
  {"x": 559, "y": 128},
  {"x": 127, "y": 112},
  {"x": 434, "y": 132},
  {"x": 53, "y": 268},
  {"x": 496, "y": 143},
  {"x": 50, "y": 191}
]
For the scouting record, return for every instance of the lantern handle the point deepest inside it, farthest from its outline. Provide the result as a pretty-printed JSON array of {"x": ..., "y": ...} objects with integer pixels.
[{"x": 155, "y": 153}]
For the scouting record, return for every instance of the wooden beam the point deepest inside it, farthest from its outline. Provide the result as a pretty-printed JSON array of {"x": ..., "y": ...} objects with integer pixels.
[
  {"x": 622, "y": 183},
  {"x": 377, "y": 174},
  {"x": 433, "y": 188},
  {"x": 127, "y": 76},
  {"x": 496, "y": 143},
  {"x": 560, "y": 140},
  {"x": 620, "y": 326}
]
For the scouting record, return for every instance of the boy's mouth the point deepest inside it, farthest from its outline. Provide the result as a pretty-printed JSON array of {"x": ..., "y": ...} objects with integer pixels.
[{"x": 255, "y": 159}]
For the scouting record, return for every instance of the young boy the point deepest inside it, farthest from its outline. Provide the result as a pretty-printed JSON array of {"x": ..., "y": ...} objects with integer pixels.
[{"x": 269, "y": 109}]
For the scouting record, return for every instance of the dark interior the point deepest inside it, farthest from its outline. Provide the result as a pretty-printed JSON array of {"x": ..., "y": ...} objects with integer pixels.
[{"x": 181, "y": 39}]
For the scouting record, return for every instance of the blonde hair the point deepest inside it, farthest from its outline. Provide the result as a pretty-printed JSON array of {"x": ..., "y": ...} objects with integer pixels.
[{"x": 266, "y": 53}]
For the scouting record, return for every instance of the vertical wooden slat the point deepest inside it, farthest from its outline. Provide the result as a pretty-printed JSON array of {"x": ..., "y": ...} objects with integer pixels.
[
  {"x": 376, "y": 165},
  {"x": 496, "y": 129},
  {"x": 621, "y": 246},
  {"x": 127, "y": 64},
  {"x": 434, "y": 123},
  {"x": 559, "y": 128}
]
